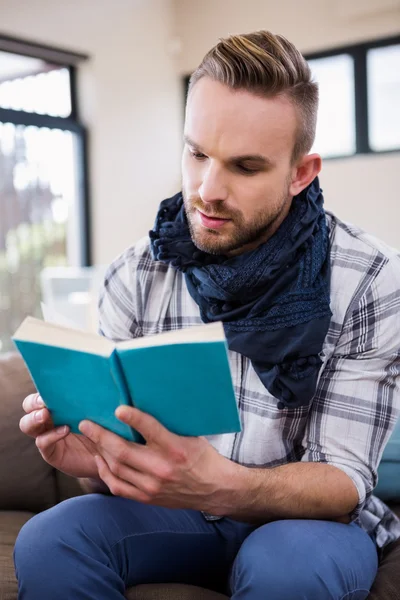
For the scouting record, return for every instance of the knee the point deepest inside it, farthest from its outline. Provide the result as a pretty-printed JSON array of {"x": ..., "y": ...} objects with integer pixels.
[
  {"x": 55, "y": 531},
  {"x": 270, "y": 566},
  {"x": 302, "y": 559},
  {"x": 35, "y": 546}
]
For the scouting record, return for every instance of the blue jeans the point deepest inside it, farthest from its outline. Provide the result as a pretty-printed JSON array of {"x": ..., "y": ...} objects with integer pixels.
[{"x": 93, "y": 547}]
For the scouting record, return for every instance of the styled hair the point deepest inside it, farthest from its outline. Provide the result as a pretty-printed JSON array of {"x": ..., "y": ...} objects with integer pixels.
[{"x": 267, "y": 65}]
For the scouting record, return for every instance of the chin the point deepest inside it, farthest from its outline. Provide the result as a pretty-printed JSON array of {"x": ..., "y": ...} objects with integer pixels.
[
  {"x": 210, "y": 240},
  {"x": 211, "y": 246}
]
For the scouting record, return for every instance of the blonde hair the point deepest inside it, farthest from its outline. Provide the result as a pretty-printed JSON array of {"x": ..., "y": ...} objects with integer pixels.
[{"x": 267, "y": 65}]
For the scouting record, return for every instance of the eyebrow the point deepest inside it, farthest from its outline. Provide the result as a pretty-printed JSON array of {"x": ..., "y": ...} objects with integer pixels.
[{"x": 255, "y": 158}]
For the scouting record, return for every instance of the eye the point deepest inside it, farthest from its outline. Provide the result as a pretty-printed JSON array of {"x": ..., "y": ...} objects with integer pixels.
[
  {"x": 198, "y": 155},
  {"x": 247, "y": 170}
]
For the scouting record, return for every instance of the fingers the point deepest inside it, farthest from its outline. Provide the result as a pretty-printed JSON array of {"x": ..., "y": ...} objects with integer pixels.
[
  {"x": 48, "y": 440},
  {"x": 33, "y": 402},
  {"x": 147, "y": 426},
  {"x": 117, "y": 486},
  {"x": 36, "y": 422},
  {"x": 118, "y": 450},
  {"x": 107, "y": 440}
]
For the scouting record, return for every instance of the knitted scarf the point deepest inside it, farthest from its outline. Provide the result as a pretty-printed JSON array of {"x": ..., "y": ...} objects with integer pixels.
[{"x": 273, "y": 300}]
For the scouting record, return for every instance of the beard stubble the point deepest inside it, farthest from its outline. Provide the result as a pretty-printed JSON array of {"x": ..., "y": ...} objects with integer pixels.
[{"x": 242, "y": 234}]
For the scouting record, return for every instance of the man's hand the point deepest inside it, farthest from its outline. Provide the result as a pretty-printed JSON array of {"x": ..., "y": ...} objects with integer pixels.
[
  {"x": 170, "y": 470},
  {"x": 73, "y": 454}
]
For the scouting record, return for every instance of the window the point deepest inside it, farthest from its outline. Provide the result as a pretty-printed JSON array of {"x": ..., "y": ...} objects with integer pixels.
[
  {"x": 359, "y": 95},
  {"x": 383, "y": 76},
  {"x": 336, "y": 130},
  {"x": 31, "y": 85},
  {"x": 43, "y": 185}
]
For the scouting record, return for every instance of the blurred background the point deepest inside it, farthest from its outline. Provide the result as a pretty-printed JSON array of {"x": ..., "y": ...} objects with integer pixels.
[{"x": 91, "y": 113}]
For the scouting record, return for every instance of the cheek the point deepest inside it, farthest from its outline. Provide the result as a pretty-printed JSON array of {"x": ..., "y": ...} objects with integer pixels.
[
  {"x": 250, "y": 193},
  {"x": 258, "y": 195},
  {"x": 263, "y": 188}
]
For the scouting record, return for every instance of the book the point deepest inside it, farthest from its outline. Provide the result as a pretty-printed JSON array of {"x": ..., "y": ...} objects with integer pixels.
[{"x": 182, "y": 377}]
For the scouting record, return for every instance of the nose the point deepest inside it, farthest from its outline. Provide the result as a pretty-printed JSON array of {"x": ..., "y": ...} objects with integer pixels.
[{"x": 213, "y": 187}]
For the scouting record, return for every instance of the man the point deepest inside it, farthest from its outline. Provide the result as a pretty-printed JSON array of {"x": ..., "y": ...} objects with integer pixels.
[{"x": 311, "y": 309}]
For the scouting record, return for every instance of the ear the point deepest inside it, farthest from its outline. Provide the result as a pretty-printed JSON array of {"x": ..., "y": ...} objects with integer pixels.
[{"x": 304, "y": 172}]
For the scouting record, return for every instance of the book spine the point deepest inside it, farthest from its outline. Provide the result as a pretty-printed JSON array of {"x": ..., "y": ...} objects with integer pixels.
[
  {"x": 121, "y": 383},
  {"x": 119, "y": 378}
]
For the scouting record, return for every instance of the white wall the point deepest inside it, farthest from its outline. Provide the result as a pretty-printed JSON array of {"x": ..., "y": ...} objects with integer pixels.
[
  {"x": 310, "y": 24},
  {"x": 364, "y": 190},
  {"x": 130, "y": 100}
]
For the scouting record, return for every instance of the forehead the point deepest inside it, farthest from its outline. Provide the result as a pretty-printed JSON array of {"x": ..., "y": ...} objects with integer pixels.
[{"x": 236, "y": 122}]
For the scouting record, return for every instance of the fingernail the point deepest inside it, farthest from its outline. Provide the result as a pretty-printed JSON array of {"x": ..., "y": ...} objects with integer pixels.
[
  {"x": 61, "y": 430},
  {"x": 84, "y": 427},
  {"x": 39, "y": 402},
  {"x": 39, "y": 416}
]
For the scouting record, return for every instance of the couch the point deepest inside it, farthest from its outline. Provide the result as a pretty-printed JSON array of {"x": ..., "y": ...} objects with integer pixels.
[{"x": 29, "y": 485}]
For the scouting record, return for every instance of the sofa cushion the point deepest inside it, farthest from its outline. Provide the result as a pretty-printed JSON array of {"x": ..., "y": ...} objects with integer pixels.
[
  {"x": 388, "y": 487},
  {"x": 67, "y": 487},
  {"x": 27, "y": 481},
  {"x": 10, "y": 524},
  {"x": 387, "y": 582},
  {"x": 396, "y": 509}
]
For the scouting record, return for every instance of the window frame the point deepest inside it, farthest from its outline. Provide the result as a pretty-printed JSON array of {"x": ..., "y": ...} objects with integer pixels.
[{"x": 69, "y": 60}]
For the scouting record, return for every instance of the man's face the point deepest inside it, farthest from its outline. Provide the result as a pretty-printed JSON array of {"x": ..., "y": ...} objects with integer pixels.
[{"x": 236, "y": 166}]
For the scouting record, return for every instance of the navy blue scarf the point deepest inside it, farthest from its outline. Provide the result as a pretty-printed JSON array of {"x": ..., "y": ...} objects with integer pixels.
[{"x": 273, "y": 301}]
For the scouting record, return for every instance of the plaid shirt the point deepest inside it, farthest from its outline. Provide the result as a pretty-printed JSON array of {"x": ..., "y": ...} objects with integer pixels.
[{"x": 357, "y": 400}]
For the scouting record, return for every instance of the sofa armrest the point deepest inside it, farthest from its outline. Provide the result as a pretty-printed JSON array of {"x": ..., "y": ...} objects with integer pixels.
[{"x": 27, "y": 481}]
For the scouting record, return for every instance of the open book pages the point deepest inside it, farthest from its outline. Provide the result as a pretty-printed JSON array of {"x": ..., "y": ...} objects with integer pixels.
[{"x": 50, "y": 334}]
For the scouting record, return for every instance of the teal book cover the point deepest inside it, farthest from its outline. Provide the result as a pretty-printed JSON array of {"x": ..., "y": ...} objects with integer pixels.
[{"x": 182, "y": 378}]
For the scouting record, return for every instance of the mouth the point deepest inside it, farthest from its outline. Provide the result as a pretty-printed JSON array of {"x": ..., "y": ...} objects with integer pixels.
[{"x": 211, "y": 222}]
